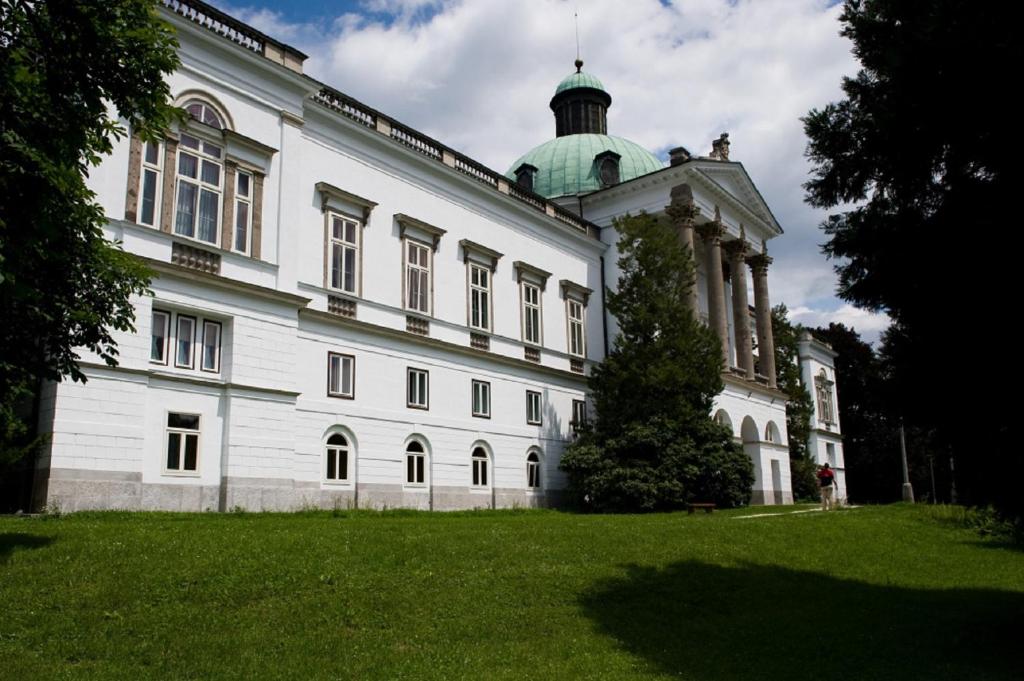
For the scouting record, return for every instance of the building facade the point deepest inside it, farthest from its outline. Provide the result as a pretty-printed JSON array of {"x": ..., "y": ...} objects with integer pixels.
[
  {"x": 348, "y": 313},
  {"x": 818, "y": 372}
]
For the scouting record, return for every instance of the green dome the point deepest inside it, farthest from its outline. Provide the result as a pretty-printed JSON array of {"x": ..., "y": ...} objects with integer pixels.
[
  {"x": 565, "y": 165},
  {"x": 579, "y": 79}
]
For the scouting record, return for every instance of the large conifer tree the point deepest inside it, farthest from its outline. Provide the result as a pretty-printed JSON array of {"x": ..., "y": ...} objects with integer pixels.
[{"x": 654, "y": 445}]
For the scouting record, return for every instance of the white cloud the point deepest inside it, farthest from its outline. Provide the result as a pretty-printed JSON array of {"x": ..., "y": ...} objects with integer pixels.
[
  {"x": 869, "y": 325},
  {"x": 478, "y": 75}
]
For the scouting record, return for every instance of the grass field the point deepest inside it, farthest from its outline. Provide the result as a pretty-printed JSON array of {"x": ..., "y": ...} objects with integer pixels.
[{"x": 871, "y": 593}]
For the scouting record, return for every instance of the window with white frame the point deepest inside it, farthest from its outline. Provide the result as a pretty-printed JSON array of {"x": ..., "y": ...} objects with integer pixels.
[
  {"x": 160, "y": 333},
  {"x": 199, "y": 184},
  {"x": 211, "y": 346},
  {"x": 341, "y": 375},
  {"x": 531, "y": 313},
  {"x": 823, "y": 388},
  {"x": 533, "y": 413},
  {"x": 417, "y": 276},
  {"x": 184, "y": 356},
  {"x": 418, "y": 388},
  {"x": 204, "y": 113},
  {"x": 577, "y": 337},
  {"x": 479, "y": 297},
  {"x": 415, "y": 464},
  {"x": 533, "y": 470},
  {"x": 243, "y": 212},
  {"x": 150, "y": 183},
  {"x": 579, "y": 415},
  {"x": 182, "y": 443},
  {"x": 343, "y": 246},
  {"x": 482, "y": 399},
  {"x": 479, "y": 458},
  {"x": 337, "y": 458}
]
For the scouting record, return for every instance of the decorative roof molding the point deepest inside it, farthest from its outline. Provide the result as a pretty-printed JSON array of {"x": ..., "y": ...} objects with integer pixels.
[
  {"x": 473, "y": 247},
  {"x": 571, "y": 288},
  {"x": 329, "y": 191},
  {"x": 232, "y": 137}
]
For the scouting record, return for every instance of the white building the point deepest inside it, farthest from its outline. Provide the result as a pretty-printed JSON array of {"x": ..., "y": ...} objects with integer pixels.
[
  {"x": 346, "y": 312},
  {"x": 818, "y": 372}
]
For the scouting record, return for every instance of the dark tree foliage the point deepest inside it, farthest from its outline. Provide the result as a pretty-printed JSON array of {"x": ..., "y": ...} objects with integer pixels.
[
  {"x": 799, "y": 408},
  {"x": 654, "y": 445},
  {"x": 68, "y": 72},
  {"x": 933, "y": 178}
]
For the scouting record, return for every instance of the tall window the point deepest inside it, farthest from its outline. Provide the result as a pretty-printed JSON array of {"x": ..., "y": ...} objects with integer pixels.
[
  {"x": 577, "y": 339},
  {"x": 531, "y": 313},
  {"x": 199, "y": 189},
  {"x": 341, "y": 375},
  {"x": 417, "y": 277},
  {"x": 418, "y": 389},
  {"x": 211, "y": 346},
  {"x": 479, "y": 297},
  {"x": 243, "y": 211},
  {"x": 480, "y": 467},
  {"x": 533, "y": 470},
  {"x": 150, "y": 183},
  {"x": 533, "y": 414},
  {"x": 344, "y": 253},
  {"x": 337, "y": 458},
  {"x": 160, "y": 336},
  {"x": 415, "y": 464},
  {"x": 184, "y": 356},
  {"x": 579, "y": 415},
  {"x": 182, "y": 443},
  {"x": 823, "y": 388},
  {"x": 482, "y": 399}
]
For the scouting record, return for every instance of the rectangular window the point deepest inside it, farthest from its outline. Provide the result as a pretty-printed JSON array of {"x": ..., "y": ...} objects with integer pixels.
[
  {"x": 577, "y": 346},
  {"x": 418, "y": 389},
  {"x": 531, "y": 313},
  {"x": 199, "y": 179},
  {"x": 160, "y": 336},
  {"x": 341, "y": 375},
  {"x": 579, "y": 415},
  {"x": 182, "y": 443},
  {"x": 150, "y": 183},
  {"x": 533, "y": 415},
  {"x": 417, "y": 277},
  {"x": 482, "y": 399},
  {"x": 344, "y": 253},
  {"x": 243, "y": 212},
  {"x": 186, "y": 339},
  {"x": 211, "y": 346},
  {"x": 479, "y": 297}
]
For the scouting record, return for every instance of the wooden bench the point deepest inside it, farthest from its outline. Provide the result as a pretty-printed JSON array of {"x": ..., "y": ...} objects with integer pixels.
[{"x": 708, "y": 508}]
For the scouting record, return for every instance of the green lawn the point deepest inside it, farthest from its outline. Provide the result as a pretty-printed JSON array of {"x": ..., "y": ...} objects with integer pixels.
[{"x": 870, "y": 593}]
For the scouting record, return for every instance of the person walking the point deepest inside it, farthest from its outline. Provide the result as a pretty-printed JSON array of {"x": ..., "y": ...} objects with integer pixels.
[{"x": 826, "y": 481}]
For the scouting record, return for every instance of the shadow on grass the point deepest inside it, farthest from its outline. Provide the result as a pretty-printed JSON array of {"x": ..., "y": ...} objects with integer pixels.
[
  {"x": 713, "y": 623},
  {"x": 9, "y": 541}
]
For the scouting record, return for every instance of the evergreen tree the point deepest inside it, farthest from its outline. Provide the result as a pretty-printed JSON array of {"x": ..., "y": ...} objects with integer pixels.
[
  {"x": 799, "y": 407},
  {"x": 654, "y": 445}
]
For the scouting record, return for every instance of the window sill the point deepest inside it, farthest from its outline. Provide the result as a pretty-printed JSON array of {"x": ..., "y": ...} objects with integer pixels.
[
  {"x": 337, "y": 484},
  {"x": 180, "y": 474}
]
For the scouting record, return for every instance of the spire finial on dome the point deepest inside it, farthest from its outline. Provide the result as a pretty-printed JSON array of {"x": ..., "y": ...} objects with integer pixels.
[{"x": 579, "y": 64}]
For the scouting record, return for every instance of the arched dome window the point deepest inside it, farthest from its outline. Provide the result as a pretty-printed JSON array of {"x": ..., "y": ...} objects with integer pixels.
[
  {"x": 480, "y": 467},
  {"x": 204, "y": 113},
  {"x": 533, "y": 470},
  {"x": 337, "y": 458},
  {"x": 415, "y": 464}
]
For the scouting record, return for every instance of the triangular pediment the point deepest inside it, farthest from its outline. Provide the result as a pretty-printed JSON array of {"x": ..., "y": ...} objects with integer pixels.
[{"x": 733, "y": 179}]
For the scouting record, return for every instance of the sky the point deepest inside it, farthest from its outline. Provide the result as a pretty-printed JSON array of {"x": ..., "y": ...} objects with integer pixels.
[{"x": 478, "y": 75}]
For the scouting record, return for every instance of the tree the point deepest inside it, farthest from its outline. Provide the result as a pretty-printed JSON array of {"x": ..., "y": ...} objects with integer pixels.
[
  {"x": 72, "y": 75},
  {"x": 799, "y": 408},
  {"x": 932, "y": 178},
  {"x": 654, "y": 445}
]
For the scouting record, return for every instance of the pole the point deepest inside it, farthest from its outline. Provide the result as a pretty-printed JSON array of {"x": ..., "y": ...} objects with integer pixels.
[
  {"x": 908, "y": 489},
  {"x": 931, "y": 466},
  {"x": 952, "y": 479}
]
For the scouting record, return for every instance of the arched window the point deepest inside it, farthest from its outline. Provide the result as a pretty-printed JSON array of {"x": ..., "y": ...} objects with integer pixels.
[
  {"x": 337, "y": 458},
  {"x": 772, "y": 434},
  {"x": 479, "y": 467},
  {"x": 204, "y": 113},
  {"x": 722, "y": 419},
  {"x": 415, "y": 464},
  {"x": 533, "y": 470}
]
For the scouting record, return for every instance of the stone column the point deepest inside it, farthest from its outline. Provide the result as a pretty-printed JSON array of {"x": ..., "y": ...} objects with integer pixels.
[
  {"x": 712, "y": 232},
  {"x": 763, "y": 309},
  {"x": 737, "y": 251},
  {"x": 682, "y": 212}
]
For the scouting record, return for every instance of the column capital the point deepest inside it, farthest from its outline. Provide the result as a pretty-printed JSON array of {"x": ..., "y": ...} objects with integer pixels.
[
  {"x": 711, "y": 231},
  {"x": 681, "y": 209},
  {"x": 759, "y": 262},
  {"x": 737, "y": 248}
]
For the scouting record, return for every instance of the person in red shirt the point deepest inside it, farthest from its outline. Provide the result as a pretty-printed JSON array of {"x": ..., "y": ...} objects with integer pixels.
[{"x": 826, "y": 480}]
